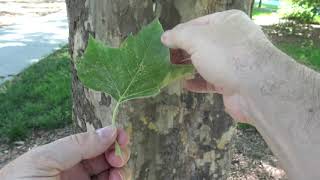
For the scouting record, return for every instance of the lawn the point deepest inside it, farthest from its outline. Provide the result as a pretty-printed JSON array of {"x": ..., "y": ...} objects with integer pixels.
[
  {"x": 38, "y": 98},
  {"x": 304, "y": 53},
  {"x": 265, "y": 10},
  {"x": 285, "y": 10}
]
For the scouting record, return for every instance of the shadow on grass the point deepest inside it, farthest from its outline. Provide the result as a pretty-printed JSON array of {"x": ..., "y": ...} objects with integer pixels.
[{"x": 306, "y": 53}]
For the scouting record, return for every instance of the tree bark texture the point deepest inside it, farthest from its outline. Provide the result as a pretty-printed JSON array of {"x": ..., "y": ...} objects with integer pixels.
[{"x": 176, "y": 135}]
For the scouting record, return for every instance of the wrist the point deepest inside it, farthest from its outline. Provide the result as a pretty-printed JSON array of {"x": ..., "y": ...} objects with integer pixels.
[
  {"x": 261, "y": 64},
  {"x": 284, "y": 104},
  {"x": 270, "y": 76}
]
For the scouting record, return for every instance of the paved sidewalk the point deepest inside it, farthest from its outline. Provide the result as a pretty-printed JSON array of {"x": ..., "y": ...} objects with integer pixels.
[{"x": 35, "y": 29}]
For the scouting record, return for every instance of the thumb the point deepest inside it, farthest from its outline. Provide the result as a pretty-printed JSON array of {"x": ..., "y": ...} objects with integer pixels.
[{"x": 69, "y": 151}]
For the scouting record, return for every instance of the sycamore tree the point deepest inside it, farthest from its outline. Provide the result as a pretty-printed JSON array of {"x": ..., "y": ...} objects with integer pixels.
[{"x": 175, "y": 134}]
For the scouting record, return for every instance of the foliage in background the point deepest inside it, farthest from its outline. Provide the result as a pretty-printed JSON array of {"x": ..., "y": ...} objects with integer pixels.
[
  {"x": 304, "y": 11},
  {"x": 38, "y": 98},
  {"x": 300, "y": 11},
  {"x": 313, "y": 4}
]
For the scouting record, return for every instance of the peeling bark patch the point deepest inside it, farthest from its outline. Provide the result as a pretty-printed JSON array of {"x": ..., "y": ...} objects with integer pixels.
[
  {"x": 225, "y": 138},
  {"x": 144, "y": 174},
  {"x": 150, "y": 112},
  {"x": 221, "y": 121},
  {"x": 171, "y": 156},
  {"x": 188, "y": 99},
  {"x": 82, "y": 109},
  {"x": 105, "y": 100},
  {"x": 77, "y": 91},
  {"x": 170, "y": 16},
  {"x": 77, "y": 15}
]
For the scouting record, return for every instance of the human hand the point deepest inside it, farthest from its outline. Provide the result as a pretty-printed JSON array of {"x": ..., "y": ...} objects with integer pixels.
[
  {"x": 80, "y": 156},
  {"x": 259, "y": 83},
  {"x": 223, "y": 48}
]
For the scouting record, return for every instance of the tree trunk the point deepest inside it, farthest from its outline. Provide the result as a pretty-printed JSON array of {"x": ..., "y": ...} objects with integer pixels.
[
  {"x": 175, "y": 135},
  {"x": 260, "y": 4},
  {"x": 251, "y": 8}
]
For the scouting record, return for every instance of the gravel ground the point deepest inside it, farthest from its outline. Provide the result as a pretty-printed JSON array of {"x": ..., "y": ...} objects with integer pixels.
[
  {"x": 252, "y": 159},
  {"x": 10, "y": 152}
]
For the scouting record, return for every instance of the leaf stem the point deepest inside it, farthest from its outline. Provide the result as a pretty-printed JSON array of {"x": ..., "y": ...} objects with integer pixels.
[{"x": 114, "y": 114}]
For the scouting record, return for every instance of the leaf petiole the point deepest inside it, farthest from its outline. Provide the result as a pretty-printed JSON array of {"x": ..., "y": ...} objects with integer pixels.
[
  {"x": 118, "y": 151},
  {"x": 115, "y": 113}
]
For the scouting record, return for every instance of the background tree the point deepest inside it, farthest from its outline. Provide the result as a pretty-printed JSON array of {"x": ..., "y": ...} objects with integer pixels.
[
  {"x": 260, "y": 4},
  {"x": 177, "y": 134}
]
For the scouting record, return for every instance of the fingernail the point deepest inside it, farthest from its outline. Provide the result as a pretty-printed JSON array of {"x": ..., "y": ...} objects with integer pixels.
[{"x": 107, "y": 132}]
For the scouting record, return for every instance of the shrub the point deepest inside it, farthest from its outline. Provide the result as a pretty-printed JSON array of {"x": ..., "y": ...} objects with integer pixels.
[{"x": 304, "y": 11}]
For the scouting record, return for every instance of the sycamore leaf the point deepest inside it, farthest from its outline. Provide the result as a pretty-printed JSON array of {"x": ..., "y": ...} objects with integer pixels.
[{"x": 140, "y": 67}]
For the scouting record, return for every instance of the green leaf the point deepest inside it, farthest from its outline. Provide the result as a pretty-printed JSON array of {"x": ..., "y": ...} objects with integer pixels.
[{"x": 140, "y": 67}]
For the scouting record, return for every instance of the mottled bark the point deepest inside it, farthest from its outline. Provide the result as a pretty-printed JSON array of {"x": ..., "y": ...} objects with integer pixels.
[{"x": 175, "y": 135}]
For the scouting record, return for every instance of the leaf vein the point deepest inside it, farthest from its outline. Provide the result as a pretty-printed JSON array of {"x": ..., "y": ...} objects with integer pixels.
[{"x": 136, "y": 74}]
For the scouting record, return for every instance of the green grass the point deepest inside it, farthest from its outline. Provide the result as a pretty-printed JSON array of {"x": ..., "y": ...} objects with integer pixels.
[
  {"x": 265, "y": 10},
  {"x": 306, "y": 54},
  {"x": 38, "y": 98}
]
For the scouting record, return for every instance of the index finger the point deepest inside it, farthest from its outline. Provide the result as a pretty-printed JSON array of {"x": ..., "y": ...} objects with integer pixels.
[
  {"x": 180, "y": 37},
  {"x": 187, "y": 35}
]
